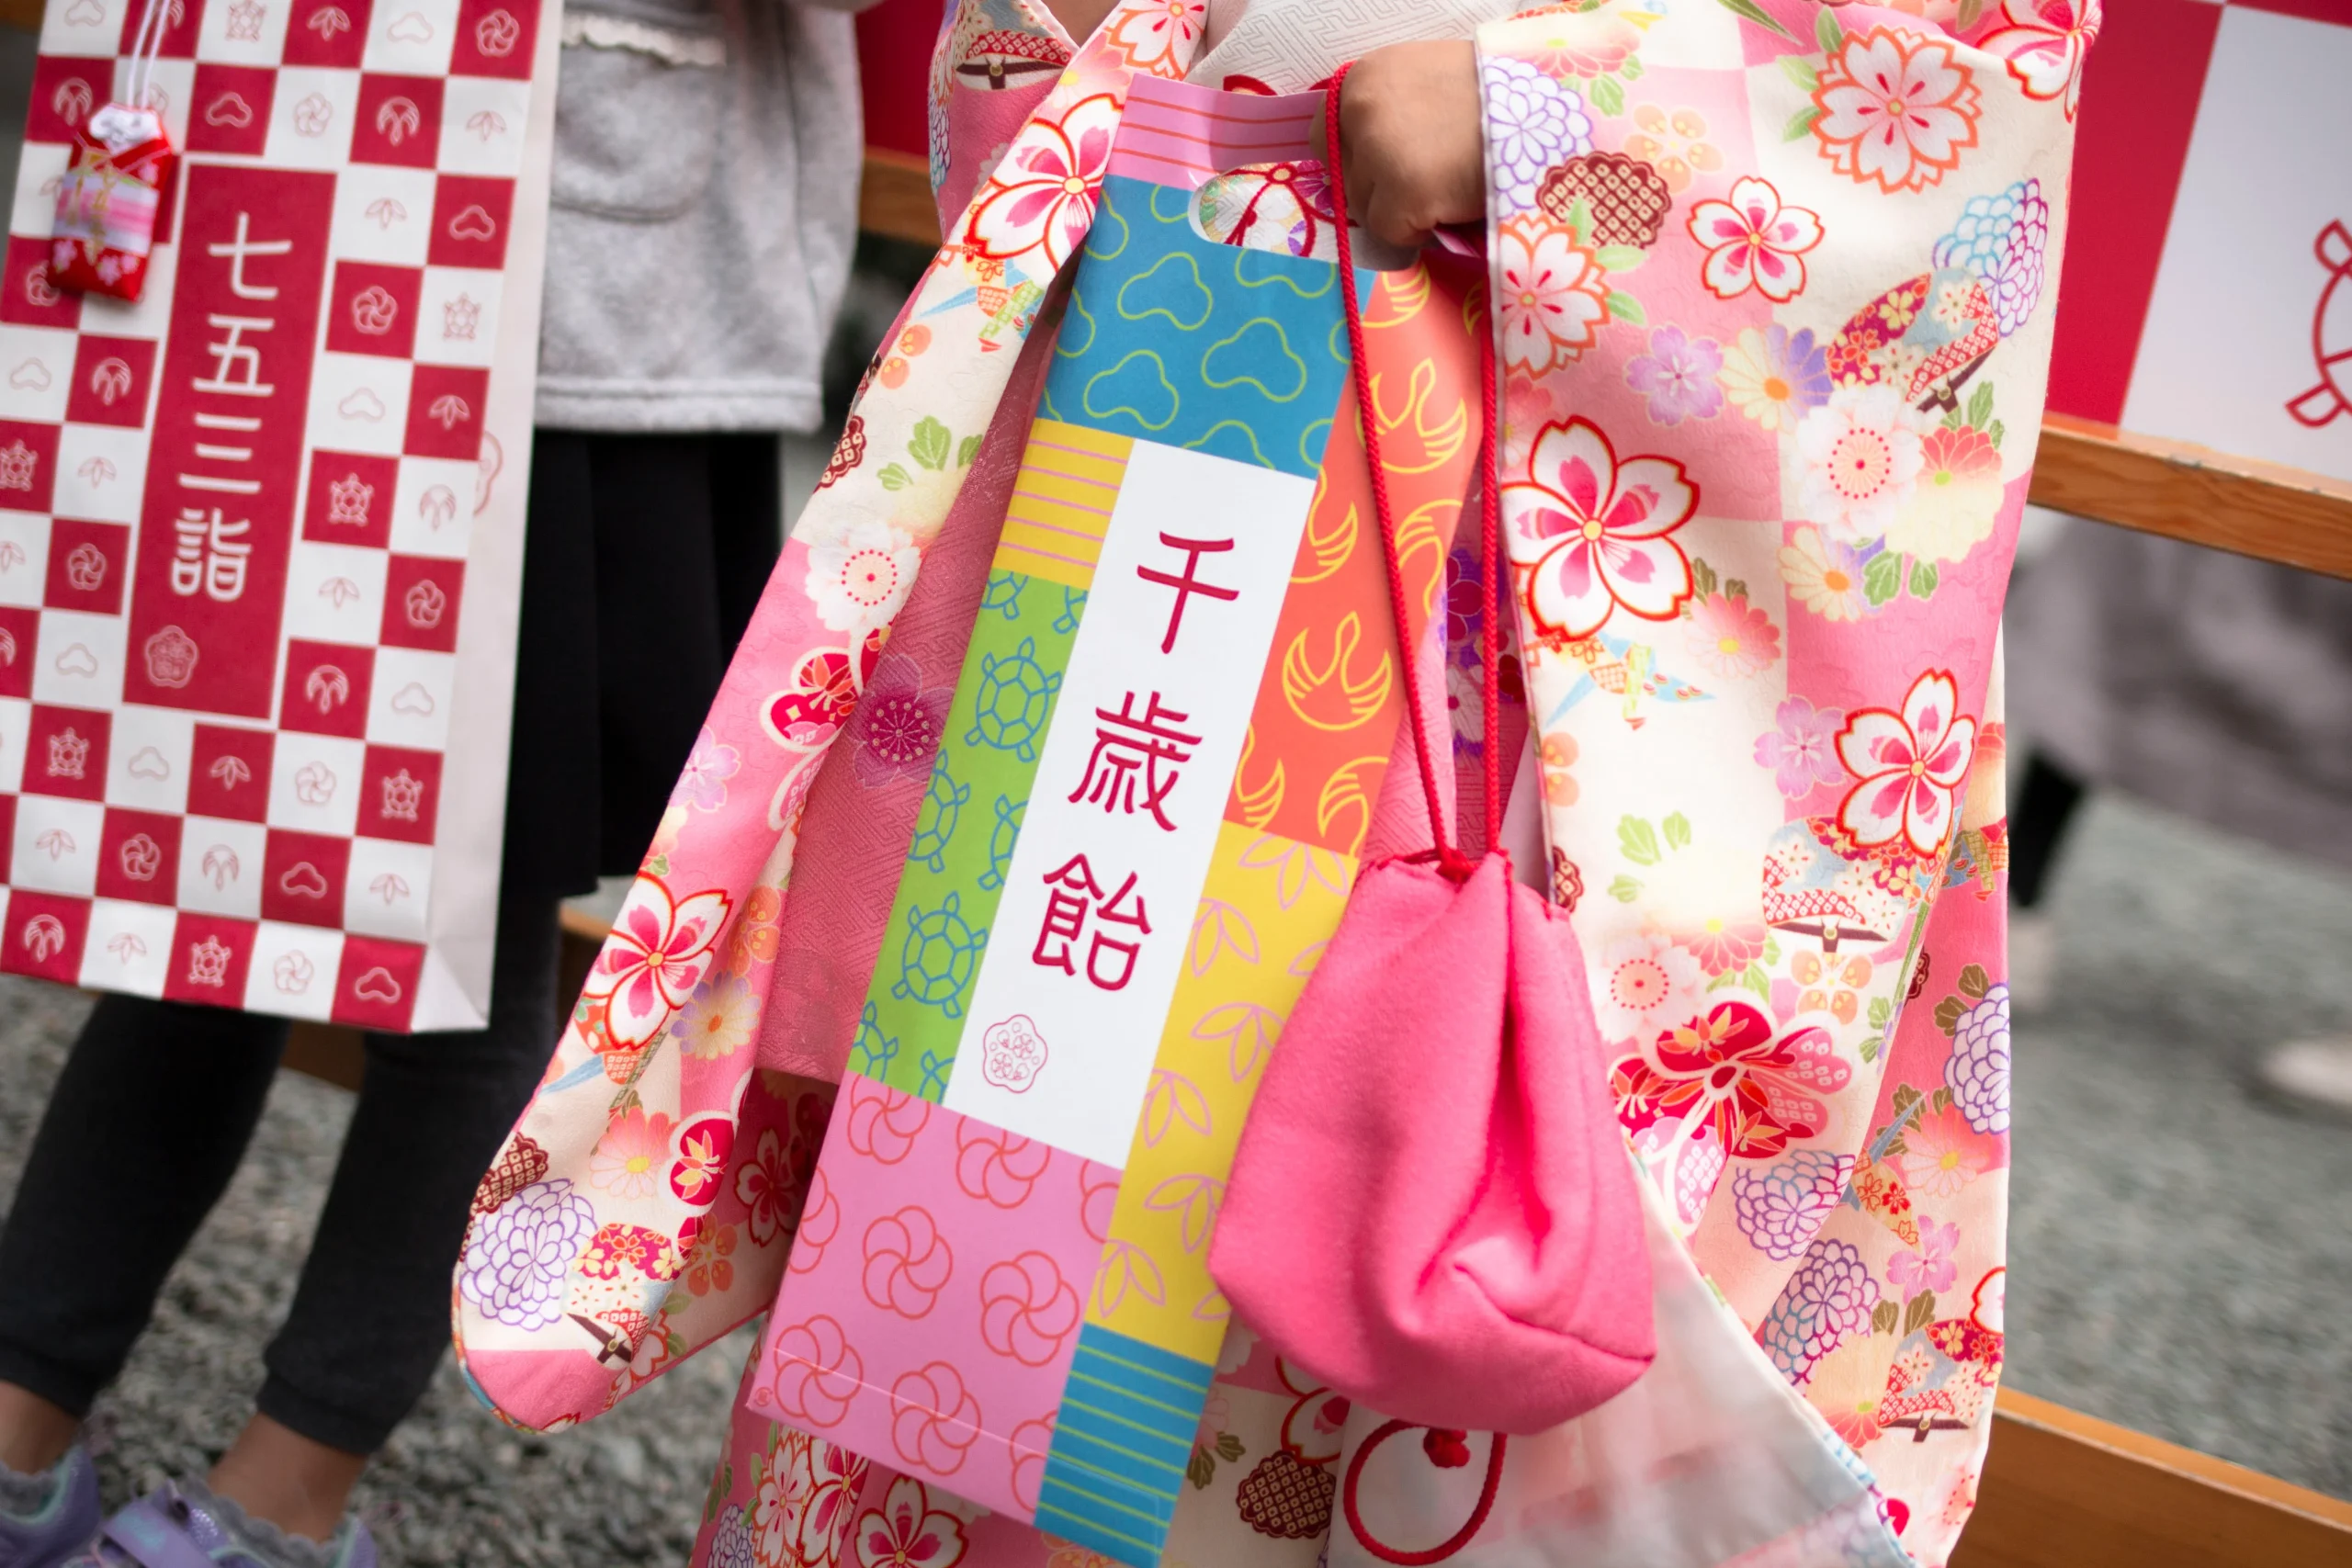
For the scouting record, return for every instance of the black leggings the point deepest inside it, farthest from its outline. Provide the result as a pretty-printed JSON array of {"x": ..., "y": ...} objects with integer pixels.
[{"x": 149, "y": 1121}]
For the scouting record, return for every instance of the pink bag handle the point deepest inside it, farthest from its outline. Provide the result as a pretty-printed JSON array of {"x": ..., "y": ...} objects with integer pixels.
[{"x": 1451, "y": 859}]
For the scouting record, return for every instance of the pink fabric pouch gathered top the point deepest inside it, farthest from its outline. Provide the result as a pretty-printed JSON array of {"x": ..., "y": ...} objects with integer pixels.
[{"x": 1432, "y": 1208}]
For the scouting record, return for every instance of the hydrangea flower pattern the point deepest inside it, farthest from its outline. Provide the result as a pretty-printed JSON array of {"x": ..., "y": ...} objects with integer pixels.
[
  {"x": 1828, "y": 1297},
  {"x": 1780, "y": 1206},
  {"x": 2003, "y": 240},
  {"x": 730, "y": 1544},
  {"x": 1532, "y": 123},
  {"x": 517, "y": 1256},
  {"x": 1978, "y": 1073}
]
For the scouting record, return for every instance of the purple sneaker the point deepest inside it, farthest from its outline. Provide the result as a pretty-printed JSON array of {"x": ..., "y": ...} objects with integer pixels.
[
  {"x": 180, "y": 1527},
  {"x": 66, "y": 1518}
]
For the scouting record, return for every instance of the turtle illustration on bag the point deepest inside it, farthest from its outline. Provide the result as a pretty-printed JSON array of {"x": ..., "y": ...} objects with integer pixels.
[{"x": 2331, "y": 333}]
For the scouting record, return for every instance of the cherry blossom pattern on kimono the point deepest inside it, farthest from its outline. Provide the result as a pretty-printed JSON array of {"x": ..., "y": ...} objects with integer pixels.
[
  {"x": 1770, "y": 289},
  {"x": 644, "y": 1099}
]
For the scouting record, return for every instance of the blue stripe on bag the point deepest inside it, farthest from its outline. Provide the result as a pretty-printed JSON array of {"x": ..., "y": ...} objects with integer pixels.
[{"x": 1121, "y": 1442}]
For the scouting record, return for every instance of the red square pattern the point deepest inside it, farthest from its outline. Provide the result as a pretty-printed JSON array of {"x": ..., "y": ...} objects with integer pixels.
[
  {"x": 139, "y": 857},
  {"x": 65, "y": 752},
  {"x": 327, "y": 32},
  {"x": 372, "y": 308},
  {"x": 421, "y": 604},
  {"x": 376, "y": 987},
  {"x": 88, "y": 565},
  {"x": 209, "y": 956},
  {"x": 28, "y": 461},
  {"x": 66, "y": 88},
  {"x": 351, "y": 499},
  {"x": 400, "y": 795},
  {"x": 179, "y": 28},
  {"x": 28, "y": 299},
  {"x": 7, "y": 836},
  {"x": 444, "y": 409},
  {"x": 19, "y": 636},
  {"x": 44, "y": 936},
  {"x": 399, "y": 121},
  {"x": 326, "y": 688},
  {"x": 495, "y": 38},
  {"x": 230, "y": 110},
  {"x": 302, "y": 878},
  {"x": 111, "y": 377},
  {"x": 229, "y": 774},
  {"x": 469, "y": 218}
]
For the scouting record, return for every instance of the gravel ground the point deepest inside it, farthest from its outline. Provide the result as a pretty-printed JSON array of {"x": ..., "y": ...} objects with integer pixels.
[
  {"x": 2181, "y": 1250},
  {"x": 454, "y": 1487}
]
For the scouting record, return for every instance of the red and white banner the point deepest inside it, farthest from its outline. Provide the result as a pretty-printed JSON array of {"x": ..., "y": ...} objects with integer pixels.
[
  {"x": 261, "y": 533},
  {"x": 2210, "y": 165}
]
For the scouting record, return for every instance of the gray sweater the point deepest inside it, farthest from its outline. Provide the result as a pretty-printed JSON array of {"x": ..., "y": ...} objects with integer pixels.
[{"x": 706, "y": 159}]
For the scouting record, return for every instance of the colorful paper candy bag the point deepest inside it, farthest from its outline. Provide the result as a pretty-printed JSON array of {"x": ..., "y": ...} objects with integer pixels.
[{"x": 1176, "y": 711}]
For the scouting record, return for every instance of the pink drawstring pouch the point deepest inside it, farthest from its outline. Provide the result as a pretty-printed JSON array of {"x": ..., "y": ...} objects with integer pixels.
[{"x": 1432, "y": 1207}]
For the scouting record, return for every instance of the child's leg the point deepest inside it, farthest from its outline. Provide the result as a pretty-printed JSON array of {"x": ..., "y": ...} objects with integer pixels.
[
  {"x": 143, "y": 1129},
  {"x": 371, "y": 1318}
]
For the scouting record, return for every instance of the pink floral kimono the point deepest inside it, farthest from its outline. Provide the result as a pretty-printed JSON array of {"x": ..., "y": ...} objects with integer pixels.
[{"x": 1773, "y": 283}]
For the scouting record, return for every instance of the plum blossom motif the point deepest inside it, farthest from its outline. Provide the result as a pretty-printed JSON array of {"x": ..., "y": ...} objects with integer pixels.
[
  {"x": 1040, "y": 201},
  {"x": 2044, "y": 42},
  {"x": 1895, "y": 109},
  {"x": 906, "y": 1532},
  {"x": 1554, "y": 298},
  {"x": 859, "y": 581},
  {"x": 817, "y": 1372},
  {"x": 997, "y": 1167},
  {"x": 1590, "y": 532},
  {"x": 1727, "y": 1075},
  {"x": 1532, "y": 123},
  {"x": 934, "y": 1420},
  {"x": 1159, "y": 38},
  {"x": 1908, "y": 767},
  {"x": 903, "y": 722},
  {"x": 518, "y": 1256},
  {"x": 908, "y": 1262},
  {"x": 660, "y": 950},
  {"x": 1027, "y": 1310},
  {"x": 883, "y": 1122},
  {"x": 1754, "y": 242},
  {"x": 1674, "y": 144}
]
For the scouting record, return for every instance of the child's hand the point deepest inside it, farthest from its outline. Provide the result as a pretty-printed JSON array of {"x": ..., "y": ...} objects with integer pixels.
[{"x": 1410, "y": 144}]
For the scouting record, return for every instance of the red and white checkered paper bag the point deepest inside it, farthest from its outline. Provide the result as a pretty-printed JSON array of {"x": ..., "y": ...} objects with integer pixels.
[{"x": 261, "y": 533}]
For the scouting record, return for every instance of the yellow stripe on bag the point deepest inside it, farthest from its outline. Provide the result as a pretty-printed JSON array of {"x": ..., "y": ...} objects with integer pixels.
[{"x": 1061, "y": 504}]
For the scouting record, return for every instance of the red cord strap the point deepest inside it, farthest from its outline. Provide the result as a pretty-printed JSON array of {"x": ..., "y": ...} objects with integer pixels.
[
  {"x": 1460, "y": 1537},
  {"x": 1451, "y": 859}
]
